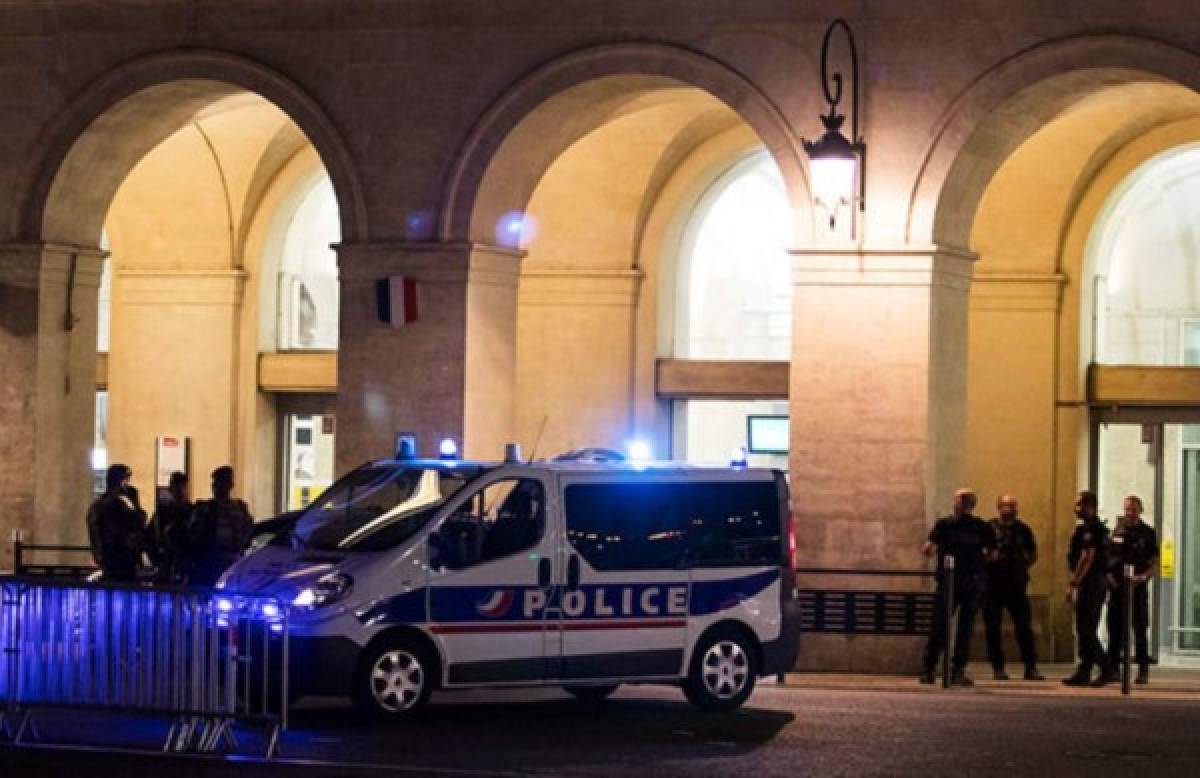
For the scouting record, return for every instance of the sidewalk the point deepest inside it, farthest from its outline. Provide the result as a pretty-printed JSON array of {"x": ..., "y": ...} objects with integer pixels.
[{"x": 1165, "y": 683}]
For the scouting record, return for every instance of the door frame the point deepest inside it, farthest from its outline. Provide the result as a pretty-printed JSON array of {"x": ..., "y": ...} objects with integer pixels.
[{"x": 1158, "y": 416}]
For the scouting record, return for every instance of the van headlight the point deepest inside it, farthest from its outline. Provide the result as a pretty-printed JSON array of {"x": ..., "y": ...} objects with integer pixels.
[{"x": 327, "y": 590}]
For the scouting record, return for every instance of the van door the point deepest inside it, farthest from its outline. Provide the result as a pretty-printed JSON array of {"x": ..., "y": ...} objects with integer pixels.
[
  {"x": 624, "y": 602},
  {"x": 490, "y": 578}
]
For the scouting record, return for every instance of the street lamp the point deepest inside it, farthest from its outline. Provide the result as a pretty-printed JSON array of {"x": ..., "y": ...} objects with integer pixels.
[{"x": 837, "y": 165}]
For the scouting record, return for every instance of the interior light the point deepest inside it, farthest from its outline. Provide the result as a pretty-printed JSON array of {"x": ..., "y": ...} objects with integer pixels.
[
  {"x": 639, "y": 451},
  {"x": 448, "y": 449},
  {"x": 737, "y": 457}
]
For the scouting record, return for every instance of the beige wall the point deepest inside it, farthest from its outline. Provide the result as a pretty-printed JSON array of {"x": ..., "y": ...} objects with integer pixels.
[{"x": 189, "y": 228}]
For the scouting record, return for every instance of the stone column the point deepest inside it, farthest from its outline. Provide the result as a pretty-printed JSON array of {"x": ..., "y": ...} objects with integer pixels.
[
  {"x": 878, "y": 397},
  {"x": 173, "y": 369},
  {"x": 48, "y": 298},
  {"x": 450, "y": 373},
  {"x": 575, "y": 352}
]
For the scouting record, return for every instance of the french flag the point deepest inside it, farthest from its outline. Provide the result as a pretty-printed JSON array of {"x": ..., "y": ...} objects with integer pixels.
[{"x": 396, "y": 300}]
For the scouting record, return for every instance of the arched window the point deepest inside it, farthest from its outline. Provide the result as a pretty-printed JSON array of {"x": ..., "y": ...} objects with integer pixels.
[
  {"x": 1146, "y": 254},
  {"x": 308, "y": 286},
  {"x": 734, "y": 299}
]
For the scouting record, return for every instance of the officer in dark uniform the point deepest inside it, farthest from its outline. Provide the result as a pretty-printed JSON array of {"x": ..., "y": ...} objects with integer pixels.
[
  {"x": 116, "y": 526},
  {"x": 1008, "y": 581},
  {"x": 169, "y": 528},
  {"x": 220, "y": 530},
  {"x": 1086, "y": 560},
  {"x": 971, "y": 542},
  {"x": 1133, "y": 542}
]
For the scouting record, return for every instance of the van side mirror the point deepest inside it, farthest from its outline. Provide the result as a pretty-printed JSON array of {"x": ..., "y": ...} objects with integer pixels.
[{"x": 436, "y": 556}]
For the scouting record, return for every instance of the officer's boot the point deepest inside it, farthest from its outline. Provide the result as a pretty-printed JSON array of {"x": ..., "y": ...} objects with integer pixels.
[
  {"x": 1108, "y": 674},
  {"x": 998, "y": 673},
  {"x": 1032, "y": 674},
  {"x": 1143, "y": 675},
  {"x": 1081, "y": 677},
  {"x": 959, "y": 678}
]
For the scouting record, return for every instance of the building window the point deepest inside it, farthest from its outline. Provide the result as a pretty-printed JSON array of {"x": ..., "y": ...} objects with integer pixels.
[
  {"x": 1145, "y": 251},
  {"x": 308, "y": 458},
  {"x": 708, "y": 432},
  {"x": 308, "y": 283},
  {"x": 733, "y": 301},
  {"x": 734, "y": 297}
]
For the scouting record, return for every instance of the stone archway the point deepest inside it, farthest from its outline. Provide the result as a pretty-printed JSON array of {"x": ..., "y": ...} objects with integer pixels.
[
  {"x": 50, "y": 265},
  {"x": 1007, "y": 104},
  {"x": 520, "y": 135},
  {"x": 128, "y": 110},
  {"x": 1008, "y": 176}
]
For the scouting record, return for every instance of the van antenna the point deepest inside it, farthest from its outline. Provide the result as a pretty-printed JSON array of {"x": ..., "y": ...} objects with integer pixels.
[{"x": 538, "y": 442}]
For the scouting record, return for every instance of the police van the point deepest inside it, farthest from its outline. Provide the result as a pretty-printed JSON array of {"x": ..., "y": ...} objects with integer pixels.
[{"x": 411, "y": 575}]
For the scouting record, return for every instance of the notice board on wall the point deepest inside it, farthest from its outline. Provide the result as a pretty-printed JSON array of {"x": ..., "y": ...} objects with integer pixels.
[{"x": 170, "y": 455}]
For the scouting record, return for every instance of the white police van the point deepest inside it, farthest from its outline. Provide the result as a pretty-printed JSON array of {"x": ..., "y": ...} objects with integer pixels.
[{"x": 410, "y": 575}]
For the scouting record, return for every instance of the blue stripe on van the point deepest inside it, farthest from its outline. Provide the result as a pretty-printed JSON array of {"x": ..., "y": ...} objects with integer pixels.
[{"x": 593, "y": 602}]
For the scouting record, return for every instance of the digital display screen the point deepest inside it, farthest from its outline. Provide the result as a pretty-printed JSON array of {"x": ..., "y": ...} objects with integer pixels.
[{"x": 767, "y": 434}]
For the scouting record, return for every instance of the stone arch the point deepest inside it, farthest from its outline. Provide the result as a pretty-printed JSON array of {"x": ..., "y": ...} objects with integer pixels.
[
  {"x": 520, "y": 135},
  {"x": 1002, "y": 108},
  {"x": 114, "y": 121}
]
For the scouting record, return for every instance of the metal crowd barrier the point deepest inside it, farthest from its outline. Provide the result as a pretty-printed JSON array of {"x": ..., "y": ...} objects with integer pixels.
[
  {"x": 205, "y": 660},
  {"x": 22, "y": 566}
]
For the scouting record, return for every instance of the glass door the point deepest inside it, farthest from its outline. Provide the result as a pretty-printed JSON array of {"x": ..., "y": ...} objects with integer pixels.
[
  {"x": 1129, "y": 461},
  {"x": 1156, "y": 455}
]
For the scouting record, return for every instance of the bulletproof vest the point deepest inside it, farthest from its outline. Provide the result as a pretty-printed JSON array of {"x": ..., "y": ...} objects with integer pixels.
[
  {"x": 226, "y": 525},
  {"x": 1093, "y": 534}
]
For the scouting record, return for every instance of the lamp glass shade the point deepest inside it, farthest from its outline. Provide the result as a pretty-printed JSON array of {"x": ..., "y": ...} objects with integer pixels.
[{"x": 832, "y": 180}]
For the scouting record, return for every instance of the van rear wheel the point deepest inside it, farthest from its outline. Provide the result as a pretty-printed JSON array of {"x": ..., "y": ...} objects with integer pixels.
[
  {"x": 591, "y": 693},
  {"x": 722, "y": 673},
  {"x": 393, "y": 680}
]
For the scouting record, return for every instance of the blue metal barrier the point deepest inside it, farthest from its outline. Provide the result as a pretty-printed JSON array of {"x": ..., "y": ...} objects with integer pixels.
[{"x": 203, "y": 659}]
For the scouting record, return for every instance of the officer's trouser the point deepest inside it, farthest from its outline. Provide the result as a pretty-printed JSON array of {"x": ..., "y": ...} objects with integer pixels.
[
  {"x": 1141, "y": 624},
  {"x": 965, "y": 603},
  {"x": 1088, "y": 605},
  {"x": 1013, "y": 598}
]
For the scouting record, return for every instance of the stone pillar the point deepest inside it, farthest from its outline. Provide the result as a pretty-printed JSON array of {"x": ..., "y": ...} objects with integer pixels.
[
  {"x": 878, "y": 397},
  {"x": 48, "y": 298},
  {"x": 450, "y": 373},
  {"x": 575, "y": 355},
  {"x": 173, "y": 369}
]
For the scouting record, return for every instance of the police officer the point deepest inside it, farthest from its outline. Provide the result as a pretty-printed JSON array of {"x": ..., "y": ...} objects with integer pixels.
[
  {"x": 116, "y": 526},
  {"x": 220, "y": 529},
  {"x": 1086, "y": 560},
  {"x": 970, "y": 541},
  {"x": 169, "y": 528},
  {"x": 1008, "y": 581},
  {"x": 1133, "y": 542}
]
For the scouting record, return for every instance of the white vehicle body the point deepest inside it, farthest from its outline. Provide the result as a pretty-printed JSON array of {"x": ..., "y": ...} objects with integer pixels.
[{"x": 567, "y": 585}]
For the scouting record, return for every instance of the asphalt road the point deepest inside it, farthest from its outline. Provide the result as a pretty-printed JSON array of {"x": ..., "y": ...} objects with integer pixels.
[{"x": 650, "y": 731}]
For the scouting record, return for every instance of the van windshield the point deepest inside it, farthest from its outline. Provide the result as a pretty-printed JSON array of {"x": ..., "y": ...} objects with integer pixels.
[{"x": 377, "y": 507}]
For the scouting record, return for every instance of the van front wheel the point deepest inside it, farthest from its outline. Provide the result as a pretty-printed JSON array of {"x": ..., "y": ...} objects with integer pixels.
[
  {"x": 722, "y": 673},
  {"x": 394, "y": 680}
]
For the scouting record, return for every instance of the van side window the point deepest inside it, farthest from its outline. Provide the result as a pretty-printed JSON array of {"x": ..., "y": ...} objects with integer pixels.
[
  {"x": 625, "y": 526},
  {"x": 732, "y": 524},
  {"x": 503, "y": 518}
]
